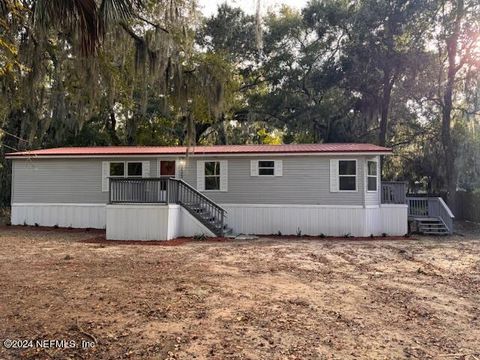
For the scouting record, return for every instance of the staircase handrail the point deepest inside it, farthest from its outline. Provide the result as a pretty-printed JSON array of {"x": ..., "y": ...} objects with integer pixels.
[{"x": 206, "y": 198}]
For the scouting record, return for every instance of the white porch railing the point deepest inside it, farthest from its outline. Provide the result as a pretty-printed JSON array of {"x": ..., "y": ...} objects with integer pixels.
[
  {"x": 394, "y": 192},
  {"x": 433, "y": 207}
]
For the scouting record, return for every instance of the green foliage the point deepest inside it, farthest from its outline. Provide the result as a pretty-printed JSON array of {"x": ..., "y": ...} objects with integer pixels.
[{"x": 120, "y": 72}]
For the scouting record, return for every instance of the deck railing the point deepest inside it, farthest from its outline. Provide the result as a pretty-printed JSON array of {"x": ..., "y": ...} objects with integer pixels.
[
  {"x": 138, "y": 190},
  {"x": 394, "y": 192},
  {"x": 166, "y": 190},
  {"x": 433, "y": 207},
  {"x": 208, "y": 212}
]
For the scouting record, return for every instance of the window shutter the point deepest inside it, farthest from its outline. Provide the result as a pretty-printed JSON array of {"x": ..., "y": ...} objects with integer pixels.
[
  {"x": 224, "y": 175},
  {"x": 365, "y": 174},
  {"x": 200, "y": 175},
  {"x": 105, "y": 175},
  {"x": 278, "y": 167},
  {"x": 145, "y": 169},
  {"x": 253, "y": 167},
  {"x": 334, "y": 175},
  {"x": 178, "y": 169}
]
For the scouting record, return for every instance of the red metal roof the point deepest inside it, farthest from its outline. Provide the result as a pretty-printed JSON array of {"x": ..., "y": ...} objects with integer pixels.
[{"x": 199, "y": 150}]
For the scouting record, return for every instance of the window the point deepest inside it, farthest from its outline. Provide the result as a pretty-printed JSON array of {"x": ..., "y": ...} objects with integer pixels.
[
  {"x": 347, "y": 172},
  {"x": 212, "y": 175},
  {"x": 134, "y": 169},
  {"x": 266, "y": 168},
  {"x": 117, "y": 169},
  {"x": 372, "y": 175}
]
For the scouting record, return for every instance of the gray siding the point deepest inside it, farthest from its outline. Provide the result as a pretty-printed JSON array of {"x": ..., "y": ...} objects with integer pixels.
[
  {"x": 62, "y": 180},
  {"x": 305, "y": 180}
]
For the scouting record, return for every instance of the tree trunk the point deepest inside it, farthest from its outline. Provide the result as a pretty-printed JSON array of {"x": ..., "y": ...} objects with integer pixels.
[
  {"x": 222, "y": 131},
  {"x": 111, "y": 128},
  {"x": 447, "y": 142},
  {"x": 131, "y": 127},
  {"x": 388, "y": 81}
]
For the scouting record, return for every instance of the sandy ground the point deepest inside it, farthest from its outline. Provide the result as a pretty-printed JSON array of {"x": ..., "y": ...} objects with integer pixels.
[{"x": 262, "y": 299}]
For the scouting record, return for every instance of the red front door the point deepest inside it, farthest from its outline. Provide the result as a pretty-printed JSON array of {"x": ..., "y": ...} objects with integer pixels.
[{"x": 167, "y": 168}]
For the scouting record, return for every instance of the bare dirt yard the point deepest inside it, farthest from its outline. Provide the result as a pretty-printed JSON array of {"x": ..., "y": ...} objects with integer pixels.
[{"x": 263, "y": 299}]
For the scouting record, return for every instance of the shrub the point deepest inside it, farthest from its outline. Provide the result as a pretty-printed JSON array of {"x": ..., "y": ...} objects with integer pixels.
[{"x": 322, "y": 235}]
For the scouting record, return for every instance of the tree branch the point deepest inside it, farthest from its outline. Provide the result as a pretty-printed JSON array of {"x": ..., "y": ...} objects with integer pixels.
[{"x": 157, "y": 26}]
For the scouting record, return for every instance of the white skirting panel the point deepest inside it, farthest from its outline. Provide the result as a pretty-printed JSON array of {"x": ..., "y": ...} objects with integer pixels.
[
  {"x": 164, "y": 222},
  {"x": 394, "y": 219},
  {"x": 291, "y": 219},
  {"x": 316, "y": 219},
  {"x": 63, "y": 215},
  {"x": 190, "y": 226},
  {"x": 151, "y": 222}
]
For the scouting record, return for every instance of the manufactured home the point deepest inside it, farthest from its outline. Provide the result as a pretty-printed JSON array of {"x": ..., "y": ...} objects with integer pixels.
[{"x": 159, "y": 193}]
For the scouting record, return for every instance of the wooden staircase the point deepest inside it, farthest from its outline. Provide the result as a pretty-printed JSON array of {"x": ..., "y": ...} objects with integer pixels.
[
  {"x": 431, "y": 226},
  {"x": 430, "y": 215},
  {"x": 167, "y": 190},
  {"x": 208, "y": 218},
  {"x": 201, "y": 207}
]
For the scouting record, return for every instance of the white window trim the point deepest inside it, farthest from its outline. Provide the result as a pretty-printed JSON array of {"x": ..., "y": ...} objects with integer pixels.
[
  {"x": 369, "y": 176},
  {"x": 356, "y": 176},
  {"x": 219, "y": 176},
  {"x": 258, "y": 169}
]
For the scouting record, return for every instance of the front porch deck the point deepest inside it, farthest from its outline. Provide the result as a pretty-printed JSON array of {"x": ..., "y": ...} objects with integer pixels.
[{"x": 427, "y": 214}]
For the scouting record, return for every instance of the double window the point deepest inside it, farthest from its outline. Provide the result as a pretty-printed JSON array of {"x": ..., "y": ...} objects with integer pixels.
[
  {"x": 128, "y": 169},
  {"x": 212, "y": 175},
  {"x": 347, "y": 175},
  {"x": 372, "y": 175}
]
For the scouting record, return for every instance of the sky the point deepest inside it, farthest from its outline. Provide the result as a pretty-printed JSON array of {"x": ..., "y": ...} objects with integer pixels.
[{"x": 209, "y": 7}]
